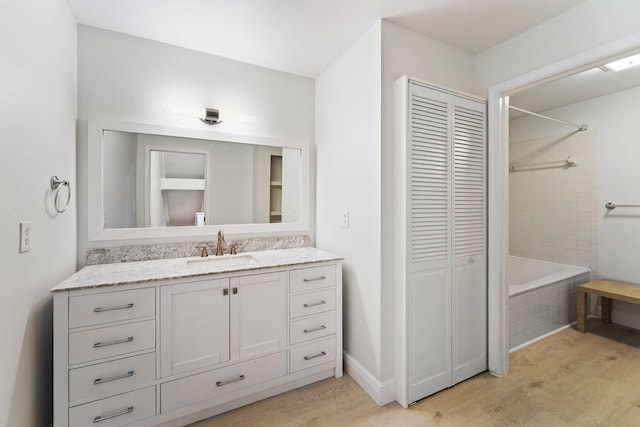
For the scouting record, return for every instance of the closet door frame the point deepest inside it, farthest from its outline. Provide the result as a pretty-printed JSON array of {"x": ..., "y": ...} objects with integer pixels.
[{"x": 405, "y": 271}]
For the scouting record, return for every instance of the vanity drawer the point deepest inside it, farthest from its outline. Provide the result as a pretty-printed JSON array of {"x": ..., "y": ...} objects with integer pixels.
[
  {"x": 119, "y": 410},
  {"x": 307, "y": 279},
  {"x": 312, "y": 354},
  {"x": 312, "y": 303},
  {"x": 99, "y": 343},
  {"x": 106, "y": 377},
  {"x": 95, "y": 309},
  {"x": 312, "y": 327},
  {"x": 208, "y": 385}
]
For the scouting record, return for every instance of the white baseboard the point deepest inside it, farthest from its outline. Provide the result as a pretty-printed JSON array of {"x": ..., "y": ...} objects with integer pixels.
[{"x": 381, "y": 392}]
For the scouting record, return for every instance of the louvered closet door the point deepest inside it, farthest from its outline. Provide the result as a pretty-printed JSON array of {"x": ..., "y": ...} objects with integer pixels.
[
  {"x": 469, "y": 230},
  {"x": 428, "y": 242}
]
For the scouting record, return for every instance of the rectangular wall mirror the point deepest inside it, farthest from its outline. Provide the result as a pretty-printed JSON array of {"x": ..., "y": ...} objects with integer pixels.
[{"x": 149, "y": 181}]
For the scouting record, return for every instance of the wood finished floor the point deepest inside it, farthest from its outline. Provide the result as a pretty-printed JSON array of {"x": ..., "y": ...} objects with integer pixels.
[{"x": 568, "y": 379}]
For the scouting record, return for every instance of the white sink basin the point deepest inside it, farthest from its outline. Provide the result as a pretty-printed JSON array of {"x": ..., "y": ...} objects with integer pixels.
[{"x": 222, "y": 262}]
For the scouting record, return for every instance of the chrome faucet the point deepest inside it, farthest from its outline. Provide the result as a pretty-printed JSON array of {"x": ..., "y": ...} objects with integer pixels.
[{"x": 220, "y": 242}]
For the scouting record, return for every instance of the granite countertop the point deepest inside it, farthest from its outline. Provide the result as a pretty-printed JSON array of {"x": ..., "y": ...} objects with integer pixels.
[{"x": 93, "y": 276}]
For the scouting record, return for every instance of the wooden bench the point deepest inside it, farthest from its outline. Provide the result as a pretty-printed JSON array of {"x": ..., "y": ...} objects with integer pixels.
[{"x": 608, "y": 290}]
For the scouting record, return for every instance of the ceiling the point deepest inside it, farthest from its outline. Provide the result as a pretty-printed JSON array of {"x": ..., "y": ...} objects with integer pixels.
[
  {"x": 578, "y": 87},
  {"x": 304, "y": 36}
]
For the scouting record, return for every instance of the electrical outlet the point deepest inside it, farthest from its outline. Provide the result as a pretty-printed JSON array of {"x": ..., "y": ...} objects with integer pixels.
[
  {"x": 25, "y": 236},
  {"x": 345, "y": 219}
]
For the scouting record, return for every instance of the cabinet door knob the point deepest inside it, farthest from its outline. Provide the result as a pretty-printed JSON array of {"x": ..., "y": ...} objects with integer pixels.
[
  {"x": 235, "y": 291},
  {"x": 225, "y": 291}
]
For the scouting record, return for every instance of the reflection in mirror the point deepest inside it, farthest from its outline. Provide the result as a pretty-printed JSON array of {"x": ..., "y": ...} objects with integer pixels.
[
  {"x": 165, "y": 181},
  {"x": 176, "y": 189}
]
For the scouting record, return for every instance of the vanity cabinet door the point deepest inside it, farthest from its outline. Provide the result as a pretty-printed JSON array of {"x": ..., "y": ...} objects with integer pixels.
[
  {"x": 194, "y": 325},
  {"x": 258, "y": 314}
]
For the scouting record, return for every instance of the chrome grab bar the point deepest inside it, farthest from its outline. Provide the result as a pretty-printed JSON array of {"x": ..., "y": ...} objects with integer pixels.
[
  {"x": 108, "y": 343},
  {"x": 611, "y": 206},
  {"x": 314, "y": 304},
  {"x": 225, "y": 382},
  {"x": 107, "y": 380},
  {"x": 322, "y": 353},
  {"x": 313, "y": 279},
  {"x": 319, "y": 328},
  {"x": 100, "y": 418},
  {"x": 115, "y": 307}
]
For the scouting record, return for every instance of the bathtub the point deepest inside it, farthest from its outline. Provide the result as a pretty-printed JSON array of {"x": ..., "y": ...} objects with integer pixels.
[
  {"x": 524, "y": 274},
  {"x": 542, "y": 298}
]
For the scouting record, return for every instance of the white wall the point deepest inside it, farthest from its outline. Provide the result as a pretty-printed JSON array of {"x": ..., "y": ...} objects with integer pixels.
[
  {"x": 405, "y": 52},
  {"x": 354, "y": 136},
  {"x": 613, "y": 118},
  {"x": 348, "y": 139},
  {"x": 587, "y": 25},
  {"x": 37, "y": 130},
  {"x": 127, "y": 78}
]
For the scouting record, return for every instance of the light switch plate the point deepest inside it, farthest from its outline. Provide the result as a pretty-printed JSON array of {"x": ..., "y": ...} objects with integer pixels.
[
  {"x": 25, "y": 236},
  {"x": 345, "y": 219}
]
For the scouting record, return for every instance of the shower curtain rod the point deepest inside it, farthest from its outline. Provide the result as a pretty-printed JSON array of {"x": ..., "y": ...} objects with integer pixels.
[{"x": 580, "y": 127}]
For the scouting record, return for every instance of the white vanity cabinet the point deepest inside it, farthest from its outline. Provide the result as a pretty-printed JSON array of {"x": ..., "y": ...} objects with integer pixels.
[
  {"x": 105, "y": 356},
  {"x": 215, "y": 320},
  {"x": 176, "y": 350},
  {"x": 194, "y": 326},
  {"x": 258, "y": 314}
]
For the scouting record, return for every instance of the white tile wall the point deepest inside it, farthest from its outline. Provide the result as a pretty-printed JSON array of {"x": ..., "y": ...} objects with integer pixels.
[
  {"x": 543, "y": 310},
  {"x": 553, "y": 211}
]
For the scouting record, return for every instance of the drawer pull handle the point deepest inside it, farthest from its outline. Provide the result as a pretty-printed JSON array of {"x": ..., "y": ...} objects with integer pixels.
[
  {"x": 314, "y": 279},
  {"x": 314, "y": 304},
  {"x": 225, "y": 382},
  {"x": 319, "y": 328},
  {"x": 116, "y": 307},
  {"x": 119, "y": 377},
  {"x": 108, "y": 343},
  {"x": 100, "y": 418},
  {"x": 322, "y": 353}
]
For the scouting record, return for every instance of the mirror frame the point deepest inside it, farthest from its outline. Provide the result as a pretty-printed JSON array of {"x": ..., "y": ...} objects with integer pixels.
[{"x": 95, "y": 197}]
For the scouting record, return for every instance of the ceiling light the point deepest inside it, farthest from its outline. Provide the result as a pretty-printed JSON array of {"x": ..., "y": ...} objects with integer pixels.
[{"x": 622, "y": 64}]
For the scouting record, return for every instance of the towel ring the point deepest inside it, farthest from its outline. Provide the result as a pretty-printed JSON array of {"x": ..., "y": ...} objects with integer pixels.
[{"x": 57, "y": 184}]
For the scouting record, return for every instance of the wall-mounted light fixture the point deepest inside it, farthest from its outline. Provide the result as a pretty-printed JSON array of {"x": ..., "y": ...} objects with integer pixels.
[{"x": 211, "y": 116}]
